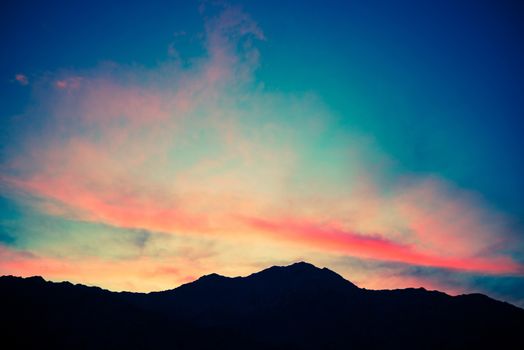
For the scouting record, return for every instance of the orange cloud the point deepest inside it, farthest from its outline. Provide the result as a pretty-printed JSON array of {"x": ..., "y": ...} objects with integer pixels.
[{"x": 141, "y": 274}]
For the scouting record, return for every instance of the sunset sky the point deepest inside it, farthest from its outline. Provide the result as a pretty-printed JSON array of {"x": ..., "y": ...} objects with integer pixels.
[{"x": 143, "y": 145}]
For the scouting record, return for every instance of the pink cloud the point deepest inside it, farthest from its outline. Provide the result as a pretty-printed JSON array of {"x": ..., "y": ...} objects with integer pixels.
[
  {"x": 69, "y": 83},
  {"x": 22, "y": 79},
  {"x": 448, "y": 221},
  {"x": 333, "y": 239}
]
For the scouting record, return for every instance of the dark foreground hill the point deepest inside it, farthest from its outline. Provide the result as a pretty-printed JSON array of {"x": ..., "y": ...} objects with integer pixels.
[{"x": 294, "y": 307}]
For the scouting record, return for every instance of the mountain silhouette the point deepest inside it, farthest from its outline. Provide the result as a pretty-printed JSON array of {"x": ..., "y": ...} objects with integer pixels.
[{"x": 292, "y": 307}]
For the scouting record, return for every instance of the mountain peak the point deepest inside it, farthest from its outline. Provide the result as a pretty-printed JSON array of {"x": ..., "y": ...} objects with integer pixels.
[
  {"x": 213, "y": 276},
  {"x": 302, "y": 272},
  {"x": 303, "y": 265},
  {"x": 294, "y": 267}
]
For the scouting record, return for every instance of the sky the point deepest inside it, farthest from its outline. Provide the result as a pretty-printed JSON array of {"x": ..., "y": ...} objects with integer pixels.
[{"x": 145, "y": 144}]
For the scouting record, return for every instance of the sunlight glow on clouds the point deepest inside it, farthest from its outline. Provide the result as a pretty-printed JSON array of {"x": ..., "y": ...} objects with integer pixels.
[{"x": 202, "y": 152}]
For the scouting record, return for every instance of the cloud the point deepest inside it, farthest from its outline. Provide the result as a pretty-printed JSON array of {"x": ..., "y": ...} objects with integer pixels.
[
  {"x": 376, "y": 247},
  {"x": 201, "y": 151},
  {"x": 22, "y": 79},
  {"x": 68, "y": 83}
]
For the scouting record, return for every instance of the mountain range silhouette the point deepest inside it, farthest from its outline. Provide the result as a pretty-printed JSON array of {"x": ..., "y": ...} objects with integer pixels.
[{"x": 298, "y": 306}]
